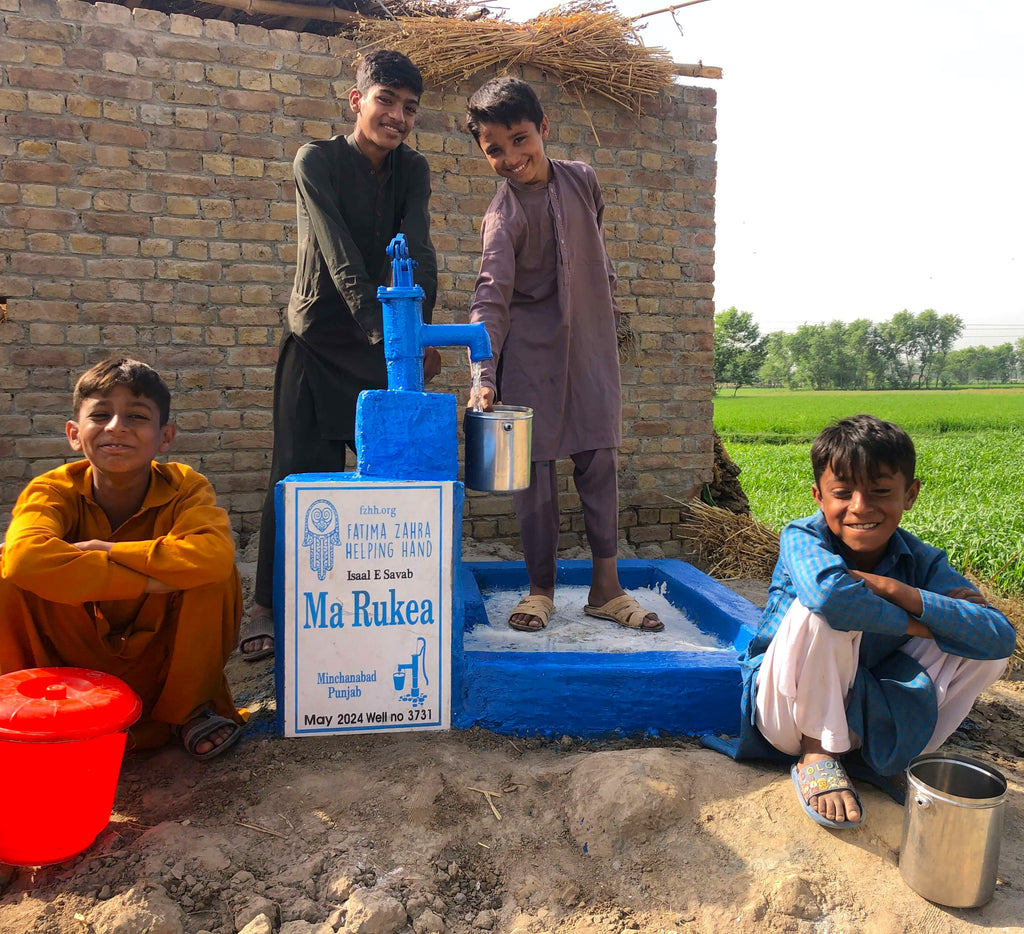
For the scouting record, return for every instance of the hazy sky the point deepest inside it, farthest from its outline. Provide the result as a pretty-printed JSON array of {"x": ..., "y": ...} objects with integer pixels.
[{"x": 870, "y": 155}]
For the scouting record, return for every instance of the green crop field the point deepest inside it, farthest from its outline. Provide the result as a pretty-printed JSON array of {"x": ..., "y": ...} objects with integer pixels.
[
  {"x": 970, "y": 450},
  {"x": 776, "y": 415}
]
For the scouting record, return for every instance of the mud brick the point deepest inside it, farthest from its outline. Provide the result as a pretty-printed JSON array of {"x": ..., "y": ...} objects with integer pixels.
[
  {"x": 40, "y": 78},
  {"x": 112, "y": 223},
  {"x": 192, "y": 249},
  {"x": 300, "y": 106},
  {"x": 250, "y": 101},
  {"x": 43, "y": 127}
]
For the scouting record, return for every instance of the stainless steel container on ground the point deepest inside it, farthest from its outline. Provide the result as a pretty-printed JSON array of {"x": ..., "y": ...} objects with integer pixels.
[
  {"x": 498, "y": 448},
  {"x": 952, "y": 824}
]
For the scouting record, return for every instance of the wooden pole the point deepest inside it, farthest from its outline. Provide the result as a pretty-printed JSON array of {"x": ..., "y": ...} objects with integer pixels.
[
  {"x": 327, "y": 14},
  {"x": 666, "y": 9},
  {"x": 699, "y": 70}
]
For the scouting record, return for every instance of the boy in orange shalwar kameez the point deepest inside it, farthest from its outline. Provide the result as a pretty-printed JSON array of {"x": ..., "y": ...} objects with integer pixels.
[{"x": 124, "y": 565}]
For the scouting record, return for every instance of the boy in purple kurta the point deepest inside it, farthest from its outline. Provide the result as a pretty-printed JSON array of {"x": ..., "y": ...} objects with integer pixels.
[{"x": 545, "y": 293}]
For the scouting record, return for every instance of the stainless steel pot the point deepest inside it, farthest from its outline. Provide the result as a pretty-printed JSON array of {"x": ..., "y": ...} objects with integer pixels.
[
  {"x": 498, "y": 448},
  {"x": 952, "y": 824}
]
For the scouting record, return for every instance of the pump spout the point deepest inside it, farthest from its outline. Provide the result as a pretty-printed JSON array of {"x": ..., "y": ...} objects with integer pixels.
[
  {"x": 405, "y": 334},
  {"x": 473, "y": 336}
]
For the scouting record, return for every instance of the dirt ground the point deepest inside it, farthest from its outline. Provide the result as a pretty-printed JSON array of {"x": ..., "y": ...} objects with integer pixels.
[{"x": 391, "y": 833}]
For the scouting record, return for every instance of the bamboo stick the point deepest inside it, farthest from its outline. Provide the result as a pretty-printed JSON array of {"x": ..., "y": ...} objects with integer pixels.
[
  {"x": 328, "y": 14},
  {"x": 665, "y": 9},
  {"x": 697, "y": 71}
]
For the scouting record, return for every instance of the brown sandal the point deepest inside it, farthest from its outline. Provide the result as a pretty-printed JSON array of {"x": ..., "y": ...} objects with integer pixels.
[
  {"x": 256, "y": 628},
  {"x": 625, "y": 611},
  {"x": 535, "y": 605}
]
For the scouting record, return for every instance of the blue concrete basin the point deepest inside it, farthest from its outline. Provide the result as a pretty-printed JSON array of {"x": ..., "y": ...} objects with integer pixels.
[{"x": 588, "y": 694}]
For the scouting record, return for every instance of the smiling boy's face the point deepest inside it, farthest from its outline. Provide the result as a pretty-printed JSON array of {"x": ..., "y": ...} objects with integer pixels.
[
  {"x": 384, "y": 118},
  {"x": 863, "y": 513},
  {"x": 119, "y": 432},
  {"x": 517, "y": 151}
]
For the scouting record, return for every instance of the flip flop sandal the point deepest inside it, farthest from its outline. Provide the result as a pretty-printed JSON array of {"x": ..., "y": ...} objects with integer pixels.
[
  {"x": 201, "y": 727},
  {"x": 625, "y": 611},
  {"x": 818, "y": 778},
  {"x": 256, "y": 627},
  {"x": 535, "y": 605}
]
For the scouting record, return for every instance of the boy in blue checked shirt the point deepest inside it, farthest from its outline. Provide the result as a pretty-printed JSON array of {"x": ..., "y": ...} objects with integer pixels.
[{"x": 869, "y": 639}]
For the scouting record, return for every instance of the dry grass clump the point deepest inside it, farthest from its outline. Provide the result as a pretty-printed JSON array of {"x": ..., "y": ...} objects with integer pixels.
[
  {"x": 731, "y": 546},
  {"x": 628, "y": 342},
  {"x": 587, "y": 47}
]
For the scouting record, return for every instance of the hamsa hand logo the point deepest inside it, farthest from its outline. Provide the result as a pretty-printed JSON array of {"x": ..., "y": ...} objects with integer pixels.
[{"x": 320, "y": 536}]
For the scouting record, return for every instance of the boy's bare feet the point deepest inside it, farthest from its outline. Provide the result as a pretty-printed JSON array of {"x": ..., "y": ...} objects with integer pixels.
[{"x": 839, "y": 806}]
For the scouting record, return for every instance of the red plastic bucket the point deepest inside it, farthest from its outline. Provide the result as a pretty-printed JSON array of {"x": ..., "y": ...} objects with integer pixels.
[{"x": 62, "y": 739}]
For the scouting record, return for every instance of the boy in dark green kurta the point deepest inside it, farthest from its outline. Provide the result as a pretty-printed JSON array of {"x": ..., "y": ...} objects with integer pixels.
[{"x": 353, "y": 194}]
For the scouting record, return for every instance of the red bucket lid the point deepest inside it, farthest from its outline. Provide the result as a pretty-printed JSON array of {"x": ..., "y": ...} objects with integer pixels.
[{"x": 54, "y": 705}]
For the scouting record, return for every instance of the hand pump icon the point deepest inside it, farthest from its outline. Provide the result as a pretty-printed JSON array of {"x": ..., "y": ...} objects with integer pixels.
[{"x": 417, "y": 664}]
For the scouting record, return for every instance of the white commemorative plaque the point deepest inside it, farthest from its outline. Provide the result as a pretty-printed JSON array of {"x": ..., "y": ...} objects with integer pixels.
[{"x": 367, "y": 606}]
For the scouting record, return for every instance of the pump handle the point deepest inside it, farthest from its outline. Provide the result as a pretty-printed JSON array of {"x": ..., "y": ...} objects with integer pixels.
[{"x": 402, "y": 264}]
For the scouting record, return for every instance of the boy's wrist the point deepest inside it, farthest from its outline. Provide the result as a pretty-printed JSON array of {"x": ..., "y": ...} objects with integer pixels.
[
  {"x": 910, "y": 599},
  {"x": 916, "y": 628},
  {"x": 94, "y": 545}
]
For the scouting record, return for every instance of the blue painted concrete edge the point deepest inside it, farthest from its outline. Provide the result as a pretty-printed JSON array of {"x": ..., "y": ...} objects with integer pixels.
[{"x": 591, "y": 695}]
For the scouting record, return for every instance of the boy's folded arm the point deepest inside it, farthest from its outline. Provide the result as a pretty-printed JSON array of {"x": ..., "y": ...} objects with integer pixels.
[
  {"x": 957, "y": 616},
  {"x": 967, "y": 628},
  {"x": 895, "y": 591},
  {"x": 947, "y": 609},
  {"x": 152, "y": 585},
  {"x": 825, "y": 586},
  {"x": 36, "y": 558},
  {"x": 198, "y": 549}
]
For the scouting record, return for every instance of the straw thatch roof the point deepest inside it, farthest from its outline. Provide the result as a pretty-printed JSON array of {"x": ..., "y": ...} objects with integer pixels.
[{"x": 586, "y": 46}]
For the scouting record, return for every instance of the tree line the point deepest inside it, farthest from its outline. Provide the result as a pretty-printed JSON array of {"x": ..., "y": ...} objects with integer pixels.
[{"x": 906, "y": 352}]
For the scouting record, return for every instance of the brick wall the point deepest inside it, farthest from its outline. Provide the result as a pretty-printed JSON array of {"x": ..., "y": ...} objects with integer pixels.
[{"x": 146, "y": 206}]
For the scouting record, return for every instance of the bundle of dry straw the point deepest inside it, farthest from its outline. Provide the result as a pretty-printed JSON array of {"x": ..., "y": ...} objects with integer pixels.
[
  {"x": 588, "y": 47},
  {"x": 730, "y": 546}
]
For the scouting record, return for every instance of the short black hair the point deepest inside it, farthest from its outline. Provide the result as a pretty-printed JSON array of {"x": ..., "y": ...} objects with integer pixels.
[
  {"x": 504, "y": 100},
  {"x": 138, "y": 378},
  {"x": 860, "y": 447},
  {"x": 390, "y": 70}
]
